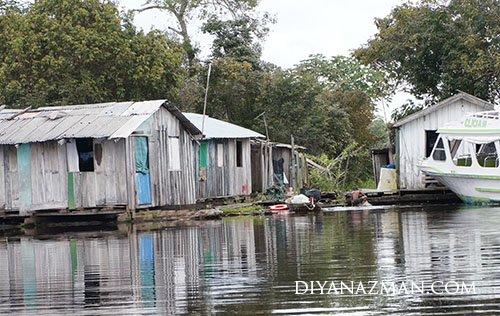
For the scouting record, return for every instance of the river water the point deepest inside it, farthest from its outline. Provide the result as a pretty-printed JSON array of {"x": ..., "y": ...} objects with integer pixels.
[{"x": 263, "y": 266}]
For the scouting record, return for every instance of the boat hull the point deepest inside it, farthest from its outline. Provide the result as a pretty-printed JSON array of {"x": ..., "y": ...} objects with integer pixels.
[{"x": 471, "y": 188}]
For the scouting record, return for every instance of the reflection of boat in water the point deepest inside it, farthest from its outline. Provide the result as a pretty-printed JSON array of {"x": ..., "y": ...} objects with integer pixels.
[{"x": 465, "y": 157}]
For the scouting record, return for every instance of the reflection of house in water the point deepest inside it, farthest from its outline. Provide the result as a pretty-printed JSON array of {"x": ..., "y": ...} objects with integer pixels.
[
  {"x": 447, "y": 246},
  {"x": 416, "y": 241},
  {"x": 388, "y": 245}
]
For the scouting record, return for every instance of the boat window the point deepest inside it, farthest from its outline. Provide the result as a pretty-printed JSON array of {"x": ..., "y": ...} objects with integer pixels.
[
  {"x": 460, "y": 153},
  {"x": 439, "y": 153},
  {"x": 487, "y": 155}
]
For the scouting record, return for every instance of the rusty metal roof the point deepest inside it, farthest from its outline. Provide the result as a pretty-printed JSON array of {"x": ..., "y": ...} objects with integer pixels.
[
  {"x": 103, "y": 120},
  {"x": 215, "y": 128}
]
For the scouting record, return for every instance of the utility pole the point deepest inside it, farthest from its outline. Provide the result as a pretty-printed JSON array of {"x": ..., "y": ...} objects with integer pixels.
[{"x": 206, "y": 95}]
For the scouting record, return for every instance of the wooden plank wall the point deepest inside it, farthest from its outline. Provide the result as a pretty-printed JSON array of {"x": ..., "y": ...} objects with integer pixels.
[
  {"x": 48, "y": 176},
  {"x": 11, "y": 178},
  {"x": 2, "y": 178},
  {"x": 113, "y": 181},
  {"x": 228, "y": 180},
  {"x": 170, "y": 187},
  {"x": 110, "y": 173}
]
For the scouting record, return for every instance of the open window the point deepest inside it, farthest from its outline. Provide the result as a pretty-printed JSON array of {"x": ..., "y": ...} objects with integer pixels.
[
  {"x": 461, "y": 152},
  {"x": 239, "y": 153},
  {"x": 487, "y": 155},
  {"x": 85, "y": 150},
  {"x": 439, "y": 152}
]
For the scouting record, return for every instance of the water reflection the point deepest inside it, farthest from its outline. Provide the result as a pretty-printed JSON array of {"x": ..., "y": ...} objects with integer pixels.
[{"x": 250, "y": 265}]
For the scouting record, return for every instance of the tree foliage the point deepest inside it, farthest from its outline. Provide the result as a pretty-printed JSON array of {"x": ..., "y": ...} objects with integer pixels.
[
  {"x": 235, "y": 39},
  {"x": 435, "y": 48},
  {"x": 71, "y": 51},
  {"x": 342, "y": 73},
  {"x": 323, "y": 117},
  {"x": 210, "y": 12}
]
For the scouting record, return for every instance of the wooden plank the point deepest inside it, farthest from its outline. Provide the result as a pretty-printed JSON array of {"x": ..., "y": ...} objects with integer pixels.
[
  {"x": 77, "y": 187},
  {"x": 88, "y": 189},
  {"x": 101, "y": 170},
  {"x": 2, "y": 178},
  {"x": 121, "y": 172},
  {"x": 130, "y": 168}
]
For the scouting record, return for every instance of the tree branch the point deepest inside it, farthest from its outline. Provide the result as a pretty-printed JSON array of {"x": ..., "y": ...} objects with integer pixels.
[{"x": 149, "y": 8}]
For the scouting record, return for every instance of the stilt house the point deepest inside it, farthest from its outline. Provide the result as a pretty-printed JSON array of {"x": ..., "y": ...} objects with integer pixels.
[
  {"x": 128, "y": 154},
  {"x": 224, "y": 160},
  {"x": 272, "y": 165}
]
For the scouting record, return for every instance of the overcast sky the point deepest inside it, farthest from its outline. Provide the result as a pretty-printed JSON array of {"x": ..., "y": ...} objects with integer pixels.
[{"x": 328, "y": 27}]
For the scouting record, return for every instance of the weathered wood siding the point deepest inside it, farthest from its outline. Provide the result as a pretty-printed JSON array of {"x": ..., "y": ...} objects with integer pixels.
[
  {"x": 262, "y": 166},
  {"x": 110, "y": 173},
  {"x": 225, "y": 178},
  {"x": 11, "y": 178},
  {"x": 170, "y": 186},
  {"x": 51, "y": 185},
  {"x": 2, "y": 178},
  {"x": 411, "y": 144}
]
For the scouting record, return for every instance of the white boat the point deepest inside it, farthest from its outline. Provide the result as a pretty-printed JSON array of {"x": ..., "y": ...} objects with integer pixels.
[{"x": 465, "y": 157}]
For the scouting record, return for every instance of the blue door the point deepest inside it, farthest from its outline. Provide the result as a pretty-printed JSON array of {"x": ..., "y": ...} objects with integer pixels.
[{"x": 142, "y": 170}]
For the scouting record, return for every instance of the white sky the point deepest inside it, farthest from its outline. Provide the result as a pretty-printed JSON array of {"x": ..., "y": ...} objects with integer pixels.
[{"x": 328, "y": 27}]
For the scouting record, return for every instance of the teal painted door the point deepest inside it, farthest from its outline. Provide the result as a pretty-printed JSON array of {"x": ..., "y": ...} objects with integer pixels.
[
  {"x": 143, "y": 181},
  {"x": 24, "y": 172}
]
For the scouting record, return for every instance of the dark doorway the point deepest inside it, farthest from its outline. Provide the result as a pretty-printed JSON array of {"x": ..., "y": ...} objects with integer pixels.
[{"x": 430, "y": 140}]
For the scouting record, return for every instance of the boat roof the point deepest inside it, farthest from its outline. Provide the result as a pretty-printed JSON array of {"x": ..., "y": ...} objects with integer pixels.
[{"x": 478, "y": 127}]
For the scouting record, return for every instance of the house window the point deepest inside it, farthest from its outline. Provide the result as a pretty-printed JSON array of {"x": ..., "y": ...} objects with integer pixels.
[
  {"x": 174, "y": 153},
  {"x": 85, "y": 149},
  {"x": 239, "y": 154},
  {"x": 220, "y": 155}
]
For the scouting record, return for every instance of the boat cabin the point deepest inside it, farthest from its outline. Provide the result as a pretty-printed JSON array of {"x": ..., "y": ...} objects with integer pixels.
[{"x": 416, "y": 135}]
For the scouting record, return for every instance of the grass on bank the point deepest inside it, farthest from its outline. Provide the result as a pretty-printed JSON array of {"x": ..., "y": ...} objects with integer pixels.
[{"x": 237, "y": 209}]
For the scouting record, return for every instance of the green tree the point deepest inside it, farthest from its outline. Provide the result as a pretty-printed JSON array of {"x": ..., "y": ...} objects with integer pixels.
[
  {"x": 434, "y": 48},
  {"x": 342, "y": 73},
  {"x": 237, "y": 39},
  {"x": 185, "y": 10},
  {"x": 72, "y": 51}
]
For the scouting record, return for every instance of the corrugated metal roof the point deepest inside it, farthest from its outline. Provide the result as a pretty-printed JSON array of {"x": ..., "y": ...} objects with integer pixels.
[
  {"x": 215, "y": 128},
  {"x": 103, "y": 120}
]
